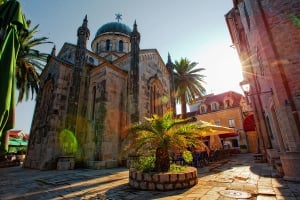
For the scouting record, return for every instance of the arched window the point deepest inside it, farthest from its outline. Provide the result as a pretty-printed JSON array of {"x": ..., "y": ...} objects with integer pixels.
[
  {"x": 107, "y": 45},
  {"x": 156, "y": 95},
  {"x": 202, "y": 109},
  {"x": 121, "y": 47},
  {"x": 214, "y": 106}
]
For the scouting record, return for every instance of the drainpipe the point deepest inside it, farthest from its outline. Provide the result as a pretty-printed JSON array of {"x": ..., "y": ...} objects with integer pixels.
[{"x": 282, "y": 72}]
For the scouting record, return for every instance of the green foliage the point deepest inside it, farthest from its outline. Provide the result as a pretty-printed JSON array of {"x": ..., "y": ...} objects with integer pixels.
[
  {"x": 188, "y": 82},
  {"x": 295, "y": 19},
  {"x": 2, "y": 1},
  {"x": 30, "y": 62},
  {"x": 163, "y": 132},
  {"x": 187, "y": 156},
  {"x": 177, "y": 168},
  {"x": 243, "y": 146},
  {"x": 145, "y": 163}
]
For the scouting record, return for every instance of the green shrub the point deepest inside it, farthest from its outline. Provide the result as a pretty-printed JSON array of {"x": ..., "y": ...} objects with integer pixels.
[
  {"x": 145, "y": 163},
  {"x": 176, "y": 168},
  {"x": 243, "y": 146},
  {"x": 187, "y": 156}
]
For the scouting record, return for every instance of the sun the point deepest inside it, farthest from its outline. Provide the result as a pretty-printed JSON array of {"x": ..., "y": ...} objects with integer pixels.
[{"x": 223, "y": 69}]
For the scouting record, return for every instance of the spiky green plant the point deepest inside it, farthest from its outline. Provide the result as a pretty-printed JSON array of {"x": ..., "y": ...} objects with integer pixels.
[{"x": 162, "y": 134}]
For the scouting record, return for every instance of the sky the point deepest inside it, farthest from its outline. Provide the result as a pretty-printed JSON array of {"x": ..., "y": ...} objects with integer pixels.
[{"x": 192, "y": 29}]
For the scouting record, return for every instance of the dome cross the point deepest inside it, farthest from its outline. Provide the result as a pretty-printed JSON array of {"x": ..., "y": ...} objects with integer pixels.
[{"x": 118, "y": 17}]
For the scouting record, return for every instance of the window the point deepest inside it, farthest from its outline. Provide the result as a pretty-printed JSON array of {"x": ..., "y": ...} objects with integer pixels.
[
  {"x": 231, "y": 123},
  {"x": 214, "y": 106},
  {"x": 247, "y": 15},
  {"x": 202, "y": 109},
  {"x": 107, "y": 45},
  {"x": 91, "y": 60},
  {"x": 156, "y": 93},
  {"x": 227, "y": 103},
  {"x": 234, "y": 143},
  {"x": 218, "y": 122},
  {"x": 121, "y": 46}
]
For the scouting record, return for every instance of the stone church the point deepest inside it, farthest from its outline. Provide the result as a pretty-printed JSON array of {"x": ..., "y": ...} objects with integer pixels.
[{"x": 95, "y": 93}]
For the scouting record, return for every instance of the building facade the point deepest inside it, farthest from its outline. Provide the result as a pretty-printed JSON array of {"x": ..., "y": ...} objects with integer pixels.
[
  {"x": 227, "y": 109},
  {"x": 94, "y": 94},
  {"x": 266, "y": 35}
]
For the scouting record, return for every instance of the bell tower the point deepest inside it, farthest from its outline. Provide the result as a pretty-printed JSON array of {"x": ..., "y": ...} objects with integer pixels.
[
  {"x": 78, "y": 82},
  {"x": 134, "y": 74}
]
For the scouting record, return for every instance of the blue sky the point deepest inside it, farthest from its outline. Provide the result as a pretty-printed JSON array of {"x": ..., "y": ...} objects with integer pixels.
[{"x": 195, "y": 29}]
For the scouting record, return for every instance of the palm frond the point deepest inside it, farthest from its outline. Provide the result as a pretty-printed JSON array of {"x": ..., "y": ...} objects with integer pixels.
[
  {"x": 188, "y": 81},
  {"x": 30, "y": 63}
]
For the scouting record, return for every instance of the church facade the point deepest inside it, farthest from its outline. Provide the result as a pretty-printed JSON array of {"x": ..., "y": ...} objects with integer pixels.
[{"x": 95, "y": 94}]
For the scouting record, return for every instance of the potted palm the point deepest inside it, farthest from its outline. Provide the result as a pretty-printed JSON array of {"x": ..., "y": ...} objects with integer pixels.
[{"x": 157, "y": 137}]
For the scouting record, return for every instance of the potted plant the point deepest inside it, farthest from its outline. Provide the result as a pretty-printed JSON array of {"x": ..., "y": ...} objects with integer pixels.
[{"x": 154, "y": 139}]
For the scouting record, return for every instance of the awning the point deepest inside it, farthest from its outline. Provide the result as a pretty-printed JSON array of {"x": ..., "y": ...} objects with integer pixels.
[
  {"x": 208, "y": 129},
  {"x": 17, "y": 142},
  {"x": 226, "y": 135},
  {"x": 249, "y": 123}
]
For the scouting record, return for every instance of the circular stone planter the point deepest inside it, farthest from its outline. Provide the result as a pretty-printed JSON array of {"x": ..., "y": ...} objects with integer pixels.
[{"x": 163, "y": 181}]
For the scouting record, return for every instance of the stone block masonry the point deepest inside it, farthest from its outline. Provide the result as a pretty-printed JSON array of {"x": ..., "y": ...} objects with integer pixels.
[{"x": 163, "y": 181}]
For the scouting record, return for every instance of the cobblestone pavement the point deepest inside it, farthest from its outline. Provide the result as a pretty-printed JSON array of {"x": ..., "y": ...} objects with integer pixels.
[{"x": 236, "y": 177}]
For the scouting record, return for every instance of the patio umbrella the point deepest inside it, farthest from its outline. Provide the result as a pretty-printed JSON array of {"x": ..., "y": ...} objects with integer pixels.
[
  {"x": 208, "y": 129},
  {"x": 215, "y": 142},
  {"x": 12, "y": 20}
]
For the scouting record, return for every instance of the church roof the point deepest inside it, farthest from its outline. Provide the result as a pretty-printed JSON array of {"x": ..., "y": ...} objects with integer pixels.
[{"x": 117, "y": 27}]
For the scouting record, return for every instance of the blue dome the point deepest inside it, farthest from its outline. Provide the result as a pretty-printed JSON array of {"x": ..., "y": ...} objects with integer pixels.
[{"x": 114, "y": 27}]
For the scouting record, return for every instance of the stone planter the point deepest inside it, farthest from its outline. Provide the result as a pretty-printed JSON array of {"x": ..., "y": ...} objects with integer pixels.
[
  {"x": 290, "y": 164},
  {"x": 163, "y": 181}
]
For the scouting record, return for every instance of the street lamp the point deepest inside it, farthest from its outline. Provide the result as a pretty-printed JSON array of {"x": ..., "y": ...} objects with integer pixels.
[{"x": 245, "y": 85}]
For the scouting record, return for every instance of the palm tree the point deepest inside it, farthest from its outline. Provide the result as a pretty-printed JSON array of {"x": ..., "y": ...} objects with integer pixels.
[
  {"x": 188, "y": 83},
  {"x": 161, "y": 134},
  {"x": 30, "y": 62},
  {"x": 28, "y": 65}
]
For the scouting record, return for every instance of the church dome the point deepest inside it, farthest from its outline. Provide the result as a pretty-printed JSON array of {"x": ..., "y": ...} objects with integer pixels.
[{"x": 116, "y": 27}]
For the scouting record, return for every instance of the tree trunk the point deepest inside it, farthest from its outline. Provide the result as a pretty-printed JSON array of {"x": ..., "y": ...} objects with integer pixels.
[
  {"x": 183, "y": 106},
  {"x": 4, "y": 144},
  {"x": 162, "y": 162}
]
